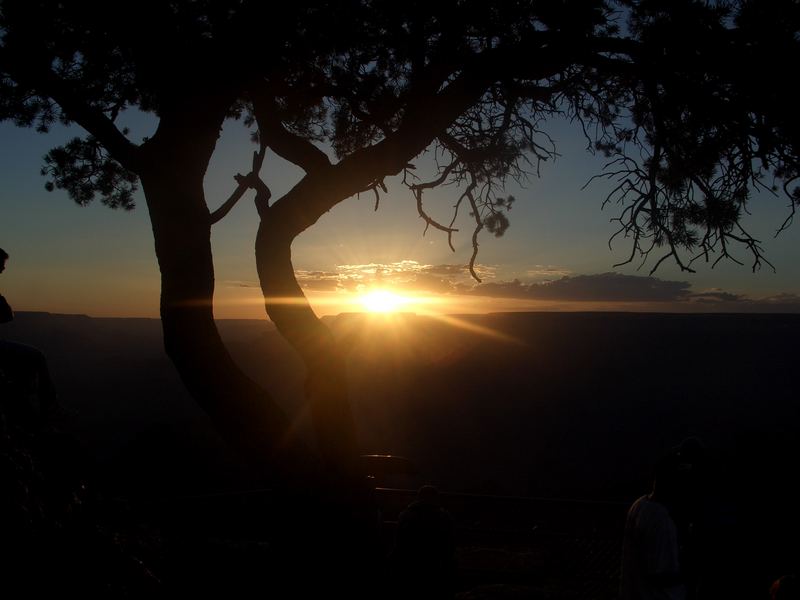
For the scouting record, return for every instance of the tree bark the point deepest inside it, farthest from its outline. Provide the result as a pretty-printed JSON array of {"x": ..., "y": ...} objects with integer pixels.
[
  {"x": 244, "y": 414},
  {"x": 326, "y": 382}
]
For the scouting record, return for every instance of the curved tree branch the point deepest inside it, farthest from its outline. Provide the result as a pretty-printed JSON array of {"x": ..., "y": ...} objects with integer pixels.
[{"x": 287, "y": 145}]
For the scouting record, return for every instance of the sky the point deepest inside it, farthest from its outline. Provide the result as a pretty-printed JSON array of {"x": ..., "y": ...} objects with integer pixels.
[{"x": 555, "y": 255}]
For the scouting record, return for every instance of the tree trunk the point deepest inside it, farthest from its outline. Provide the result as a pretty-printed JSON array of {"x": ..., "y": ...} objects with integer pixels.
[
  {"x": 244, "y": 414},
  {"x": 341, "y": 514},
  {"x": 326, "y": 383}
]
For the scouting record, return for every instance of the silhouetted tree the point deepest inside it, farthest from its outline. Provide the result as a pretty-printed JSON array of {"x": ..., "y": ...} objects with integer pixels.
[{"x": 690, "y": 100}]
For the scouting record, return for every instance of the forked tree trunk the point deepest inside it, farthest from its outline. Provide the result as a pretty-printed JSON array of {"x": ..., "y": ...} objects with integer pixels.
[{"x": 244, "y": 414}]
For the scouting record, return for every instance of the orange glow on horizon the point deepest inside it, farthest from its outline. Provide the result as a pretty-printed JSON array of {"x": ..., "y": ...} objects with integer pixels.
[
  {"x": 248, "y": 303},
  {"x": 234, "y": 302}
]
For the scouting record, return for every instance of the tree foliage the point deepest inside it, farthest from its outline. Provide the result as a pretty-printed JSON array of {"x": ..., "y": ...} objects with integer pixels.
[
  {"x": 84, "y": 169},
  {"x": 690, "y": 100}
]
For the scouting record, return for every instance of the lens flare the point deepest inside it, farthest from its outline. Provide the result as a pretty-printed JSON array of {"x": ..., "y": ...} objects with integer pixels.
[{"x": 381, "y": 301}]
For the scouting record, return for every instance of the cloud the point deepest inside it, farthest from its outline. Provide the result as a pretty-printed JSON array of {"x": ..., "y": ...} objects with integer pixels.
[
  {"x": 547, "y": 272},
  {"x": 448, "y": 270},
  {"x": 603, "y": 287},
  {"x": 726, "y": 302},
  {"x": 454, "y": 279},
  {"x": 782, "y": 299},
  {"x": 425, "y": 282},
  {"x": 406, "y": 275},
  {"x": 716, "y": 295},
  {"x": 317, "y": 280},
  {"x": 616, "y": 287},
  {"x": 780, "y": 303}
]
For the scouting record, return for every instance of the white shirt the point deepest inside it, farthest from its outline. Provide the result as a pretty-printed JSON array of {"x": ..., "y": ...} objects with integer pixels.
[{"x": 650, "y": 548}]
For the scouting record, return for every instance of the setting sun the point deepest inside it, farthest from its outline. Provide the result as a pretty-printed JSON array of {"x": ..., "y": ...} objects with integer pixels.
[{"x": 381, "y": 301}]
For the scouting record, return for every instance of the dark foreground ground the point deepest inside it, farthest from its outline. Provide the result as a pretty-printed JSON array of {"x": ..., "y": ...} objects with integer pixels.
[{"x": 540, "y": 436}]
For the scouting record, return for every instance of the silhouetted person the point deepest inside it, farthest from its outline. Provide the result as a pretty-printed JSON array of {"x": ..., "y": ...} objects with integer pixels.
[
  {"x": 6, "y": 314},
  {"x": 653, "y": 562},
  {"x": 23, "y": 369},
  {"x": 424, "y": 554}
]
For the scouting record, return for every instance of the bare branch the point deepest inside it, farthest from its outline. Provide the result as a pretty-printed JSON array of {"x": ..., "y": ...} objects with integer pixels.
[
  {"x": 245, "y": 182},
  {"x": 478, "y": 226},
  {"x": 430, "y": 222}
]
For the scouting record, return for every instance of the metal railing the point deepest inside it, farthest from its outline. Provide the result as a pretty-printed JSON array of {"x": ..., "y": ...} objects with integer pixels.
[{"x": 569, "y": 545}]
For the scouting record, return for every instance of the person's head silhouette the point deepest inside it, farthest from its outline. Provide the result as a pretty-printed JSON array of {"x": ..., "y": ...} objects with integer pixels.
[
  {"x": 428, "y": 494},
  {"x": 3, "y": 259}
]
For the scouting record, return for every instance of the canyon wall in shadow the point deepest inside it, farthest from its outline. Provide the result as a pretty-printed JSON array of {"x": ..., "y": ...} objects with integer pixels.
[{"x": 544, "y": 404}]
